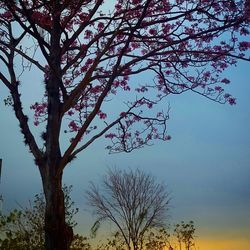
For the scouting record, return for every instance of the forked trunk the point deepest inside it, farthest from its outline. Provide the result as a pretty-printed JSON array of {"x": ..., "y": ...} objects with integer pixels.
[{"x": 58, "y": 235}]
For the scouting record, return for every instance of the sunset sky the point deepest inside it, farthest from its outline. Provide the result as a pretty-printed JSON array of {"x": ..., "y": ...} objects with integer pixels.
[{"x": 206, "y": 165}]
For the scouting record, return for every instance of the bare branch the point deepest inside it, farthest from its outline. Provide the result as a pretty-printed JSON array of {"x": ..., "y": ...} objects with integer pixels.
[{"x": 133, "y": 201}]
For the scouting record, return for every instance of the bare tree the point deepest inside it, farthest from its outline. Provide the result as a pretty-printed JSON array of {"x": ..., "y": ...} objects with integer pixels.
[{"x": 133, "y": 201}]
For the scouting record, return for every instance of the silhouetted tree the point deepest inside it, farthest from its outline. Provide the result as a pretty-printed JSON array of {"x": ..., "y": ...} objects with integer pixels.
[
  {"x": 184, "y": 233},
  {"x": 133, "y": 201},
  {"x": 158, "y": 240},
  {"x": 88, "y": 51},
  {"x": 115, "y": 242}
]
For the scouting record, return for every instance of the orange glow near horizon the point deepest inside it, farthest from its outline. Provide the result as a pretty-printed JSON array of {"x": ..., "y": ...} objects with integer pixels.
[{"x": 224, "y": 244}]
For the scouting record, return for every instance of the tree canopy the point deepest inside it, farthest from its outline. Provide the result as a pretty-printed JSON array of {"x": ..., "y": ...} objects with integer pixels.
[{"x": 95, "y": 48}]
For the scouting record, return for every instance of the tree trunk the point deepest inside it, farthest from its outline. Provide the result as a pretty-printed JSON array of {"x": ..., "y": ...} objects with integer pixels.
[
  {"x": 135, "y": 245},
  {"x": 58, "y": 235}
]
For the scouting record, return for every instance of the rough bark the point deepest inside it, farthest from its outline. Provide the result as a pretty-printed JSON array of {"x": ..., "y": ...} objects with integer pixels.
[{"x": 58, "y": 235}]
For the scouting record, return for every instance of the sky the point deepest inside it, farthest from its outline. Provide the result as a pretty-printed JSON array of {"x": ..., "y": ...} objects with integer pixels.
[{"x": 206, "y": 165}]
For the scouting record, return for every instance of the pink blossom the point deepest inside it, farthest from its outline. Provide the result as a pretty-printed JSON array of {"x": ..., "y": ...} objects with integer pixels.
[
  {"x": 135, "y": 45},
  {"x": 70, "y": 113},
  {"x": 153, "y": 32},
  {"x": 232, "y": 101},
  {"x": 166, "y": 28},
  {"x": 110, "y": 135},
  {"x": 36, "y": 123},
  {"x": 218, "y": 88},
  {"x": 42, "y": 19},
  {"x": 136, "y": 1},
  {"x": 83, "y": 16},
  {"x": 73, "y": 126},
  {"x": 123, "y": 114},
  {"x": 167, "y": 138},
  {"x": 225, "y": 81},
  {"x": 100, "y": 26},
  {"x": 6, "y": 15},
  {"x": 102, "y": 115},
  {"x": 150, "y": 105},
  {"x": 118, "y": 6},
  {"x": 244, "y": 31},
  {"x": 244, "y": 46},
  {"x": 89, "y": 61},
  {"x": 88, "y": 34}
]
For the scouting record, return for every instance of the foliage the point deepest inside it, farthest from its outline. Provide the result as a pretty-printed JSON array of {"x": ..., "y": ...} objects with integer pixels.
[
  {"x": 17, "y": 235},
  {"x": 158, "y": 239},
  {"x": 184, "y": 233},
  {"x": 24, "y": 228},
  {"x": 133, "y": 201},
  {"x": 80, "y": 243},
  {"x": 116, "y": 242}
]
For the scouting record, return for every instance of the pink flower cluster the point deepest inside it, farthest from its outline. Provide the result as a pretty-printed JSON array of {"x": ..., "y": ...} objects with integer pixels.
[{"x": 40, "y": 110}]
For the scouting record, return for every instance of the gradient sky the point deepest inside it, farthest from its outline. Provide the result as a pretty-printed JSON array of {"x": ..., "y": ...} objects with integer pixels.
[{"x": 206, "y": 165}]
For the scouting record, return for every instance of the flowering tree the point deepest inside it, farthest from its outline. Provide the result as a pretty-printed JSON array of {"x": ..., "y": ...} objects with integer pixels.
[{"x": 89, "y": 51}]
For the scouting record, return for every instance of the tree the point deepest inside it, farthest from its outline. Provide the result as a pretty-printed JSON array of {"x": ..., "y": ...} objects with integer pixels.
[
  {"x": 158, "y": 240},
  {"x": 89, "y": 51},
  {"x": 115, "y": 242},
  {"x": 133, "y": 201},
  {"x": 24, "y": 228},
  {"x": 184, "y": 233}
]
